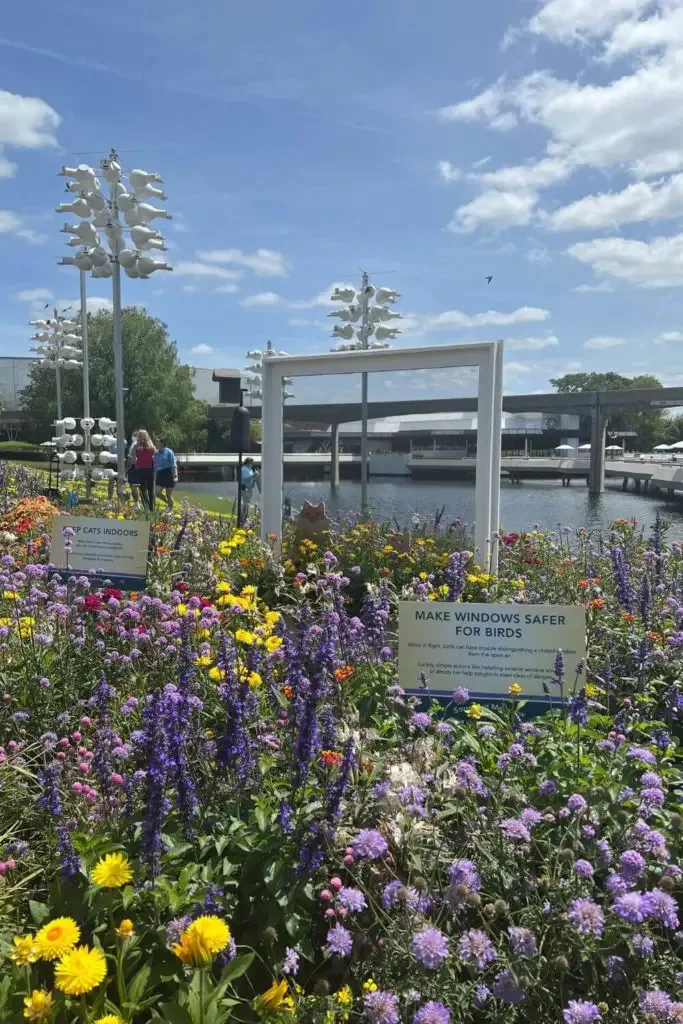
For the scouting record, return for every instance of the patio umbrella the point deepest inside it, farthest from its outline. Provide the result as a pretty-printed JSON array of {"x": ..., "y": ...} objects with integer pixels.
[
  {"x": 614, "y": 448},
  {"x": 661, "y": 448},
  {"x": 584, "y": 447},
  {"x": 676, "y": 447},
  {"x": 565, "y": 448}
]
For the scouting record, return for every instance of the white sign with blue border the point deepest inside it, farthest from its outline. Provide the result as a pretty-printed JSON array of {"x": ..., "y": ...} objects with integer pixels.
[
  {"x": 487, "y": 647},
  {"x": 112, "y": 550}
]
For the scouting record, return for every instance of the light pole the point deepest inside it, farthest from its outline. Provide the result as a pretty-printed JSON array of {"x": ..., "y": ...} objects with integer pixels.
[
  {"x": 359, "y": 309},
  {"x": 99, "y": 212}
]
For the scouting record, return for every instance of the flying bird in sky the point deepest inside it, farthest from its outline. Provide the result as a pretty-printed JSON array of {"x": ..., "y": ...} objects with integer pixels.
[{"x": 489, "y": 279}]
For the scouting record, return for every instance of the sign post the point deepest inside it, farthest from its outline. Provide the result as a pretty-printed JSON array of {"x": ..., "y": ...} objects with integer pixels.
[
  {"x": 487, "y": 647},
  {"x": 102, "y": 549}
]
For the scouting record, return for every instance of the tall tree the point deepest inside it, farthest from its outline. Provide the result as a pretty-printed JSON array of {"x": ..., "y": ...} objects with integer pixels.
[
  {"x": 648, "y": 426},
  {"x": 159, "y": 392}
]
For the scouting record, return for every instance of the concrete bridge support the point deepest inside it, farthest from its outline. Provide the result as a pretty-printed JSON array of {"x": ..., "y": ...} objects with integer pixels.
[
  {"x": 596, "y": 478},
  {"x": 334, "y": 455}
]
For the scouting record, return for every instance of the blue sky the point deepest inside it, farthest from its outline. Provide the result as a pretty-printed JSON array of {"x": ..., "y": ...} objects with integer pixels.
[{"x": 432, "y": 144}]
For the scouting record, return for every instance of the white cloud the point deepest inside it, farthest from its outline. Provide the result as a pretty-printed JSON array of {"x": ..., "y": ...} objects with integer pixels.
[
  {"x": 12, "y": 223},
  {"x": 602, "y": 286},
  {"x": 263, "y": 262},
  {"x": 261, "y": 300},
  {"x": 565, "y": 21},
  {"x": 638, "y": 202},
  {"x": 668, "y": 336},
  {"x": 190, "y": 289},
  {"x": 226, "y": 289},
  {"x": 641, "y": 36},
  {"x": 455, "y": 319},
  {"x": 531, "y": 344},
  {"x": 494, "y": 209},
  {"x": 539, "y": 255},
  {"x": 189, "y": 268},
  {"x": 528, "y": 177},
  {"x": 448, "y": 172},
  {"x": 605, "y": 341},
  {"x": 655, "y": 264},
  {"x": 95, "y": 303},
  {"x": 484, "y": 107},
  {"x": 26, "y": 122},
  {"x": 33, "y": 295},
  {"x": 478, "y": 164},
  {"x": 201, "y": 350}
]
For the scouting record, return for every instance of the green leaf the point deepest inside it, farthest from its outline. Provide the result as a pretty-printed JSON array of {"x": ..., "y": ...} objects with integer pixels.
[
  {"x": 39, "y": 912},
  {"x": 175, "y": 1014},
  {"x": 137, "y": 986},
  {"x": 262, "y": 818},
  {"x": 127, "y": 896},
  {"x": 235, "y": 969}
]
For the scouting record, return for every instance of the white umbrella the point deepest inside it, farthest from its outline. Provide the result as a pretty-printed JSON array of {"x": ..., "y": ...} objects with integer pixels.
[
  {"x": 614, "y": 448},
  {"x": 584, "y": 447},
  {"x": 676, "y": 447},
  {"x": 565, "y": 448},
  {"x": 661, "y": 448}
]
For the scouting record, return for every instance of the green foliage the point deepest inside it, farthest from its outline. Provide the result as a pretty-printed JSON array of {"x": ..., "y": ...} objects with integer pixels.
[
  {"x": 647, "y": 425},
  {"x": 160, "y": 391}
]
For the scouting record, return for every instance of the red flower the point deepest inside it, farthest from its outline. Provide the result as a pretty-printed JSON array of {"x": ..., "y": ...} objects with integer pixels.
[
  {"x": 510, "y": 538},
  {"x": 182, "y": 587},
  {"x": 92, "y": 603},
  {"x": 111, "y": 592}
]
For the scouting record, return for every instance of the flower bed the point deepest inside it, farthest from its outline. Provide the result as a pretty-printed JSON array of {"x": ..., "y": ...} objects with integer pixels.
[{"x": 218, "y": 807}]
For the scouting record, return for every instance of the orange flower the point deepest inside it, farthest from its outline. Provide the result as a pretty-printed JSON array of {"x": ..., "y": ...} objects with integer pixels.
[
  {"x": 651, "y": 635},
  {"x": 342, "y": 674},
  {"x": 628, "y": 616},
  {"x": 596, "y": 604},
  {"x": 368, "y": 766},
  {"x": 288, "y": 692},
  {"x": 584, "y": 584},
  {"x": 331, "y": 757}
]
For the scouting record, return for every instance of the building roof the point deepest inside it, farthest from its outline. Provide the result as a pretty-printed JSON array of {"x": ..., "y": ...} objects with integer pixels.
[{"x": 224, "y": 374}]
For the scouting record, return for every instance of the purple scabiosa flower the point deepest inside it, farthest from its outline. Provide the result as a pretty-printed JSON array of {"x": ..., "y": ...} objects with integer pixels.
[
  {"x": 506, "y": 988},
  {"x": 475, "y": 947},
  {"x": 548, "y": 788},
  {"x": 581, "y": 1012},
  {"x": 420, "y": 720},
  {"x": 617, "y": 884},
  {"x": 464, "y": 872},
  {"x": 631, "y": 864},
  {"x": 290, "y": 964},
  {"x": 587, "y": 917},
  {"x": 430, "y": 947},
  {"x": 432, "y": 1013},
  {"x": 486, "y": 731},
  {"x": 615, "y": 968},
  {"x": 530, "y": 817},
  {"x": 630, "y": 907},
  {"x": 652, "y": 797},
  {"x": 644, "y": 945},
  {"x": 339, "y": 941},
  {"x": 461, "y": 695},
  {"x": 481, "y": 996},
  {"x": 369, "y": 843},
  {"x": 576, "y": 803},
  {"x": 583, "y": 868},
  {"x": 381, "y": 1007},
  {"x": 523, "y": 942},
  {"x": 605, "y": 851},
  {"x": 656, "y": 1005},
  {"x": 641, "y": 754},
  {"x": 625, "y": 794},
  {"x": 659, "y": 906},
  {"x": 513, "y": 828},
  {"x": 650, "y": 780},
  {"x": 390, "y": 894},
  {"x": 352, "y": 899}
]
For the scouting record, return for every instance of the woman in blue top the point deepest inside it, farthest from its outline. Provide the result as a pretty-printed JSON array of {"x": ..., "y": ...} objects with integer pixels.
[{"x": 166, "y": 470}]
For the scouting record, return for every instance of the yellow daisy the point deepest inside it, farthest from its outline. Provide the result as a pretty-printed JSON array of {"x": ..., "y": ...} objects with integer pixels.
[
  {"x": 515, "y": 689},
  {"x": 112, "y": 871},
  {"x": 57, "y": 937},
  {"x": 111, "y": 1018},
  {"x": 273, "y": 643},
  {"x": 80, "y": 971},
  {"x": 344, "y": 996},
  {"x": 217, "y": 674},
  {"x": 38, "y": 1006},
  {"x": 126, "y": 929},
  {"x": 25, "y": 950},
  {"x": 276, "y": 999},
  {"x": 475, "y": 711},
  {"x": 202, "y": 940},
  {"x": 244, "y": 636}
]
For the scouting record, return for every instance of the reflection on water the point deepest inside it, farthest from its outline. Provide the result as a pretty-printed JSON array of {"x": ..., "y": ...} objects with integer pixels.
[{"x": 544, "y": 502}]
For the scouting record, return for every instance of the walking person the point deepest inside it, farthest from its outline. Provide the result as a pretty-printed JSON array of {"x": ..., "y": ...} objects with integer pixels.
[
  {"x": 248, "y": 480},
  {"x": 130, "y": 469},
  {"x": 144, "y": 468},
  {"x": 166, "y": 469}
]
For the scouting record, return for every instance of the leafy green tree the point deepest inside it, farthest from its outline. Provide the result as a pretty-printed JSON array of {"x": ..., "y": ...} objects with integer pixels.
[
  {"x": 159, "y": 392},
  {"x": 647, "y": 425}
]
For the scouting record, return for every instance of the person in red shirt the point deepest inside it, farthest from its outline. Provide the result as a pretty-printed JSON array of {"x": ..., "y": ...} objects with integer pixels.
[{"x": 144, "y": 468}]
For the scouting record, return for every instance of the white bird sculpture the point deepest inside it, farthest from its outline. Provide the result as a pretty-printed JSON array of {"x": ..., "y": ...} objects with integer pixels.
[
  {"x": 139, "y": 179},
  {"x": 345, "y": 332},
  {"x": 351, "y": 314},
  {"x": 343, "y": 295},
  {"x": 383, "y": 295}
]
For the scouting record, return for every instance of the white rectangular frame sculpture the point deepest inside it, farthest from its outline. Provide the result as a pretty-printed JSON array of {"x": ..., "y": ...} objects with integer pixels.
[{"x": 486, "y": 356}]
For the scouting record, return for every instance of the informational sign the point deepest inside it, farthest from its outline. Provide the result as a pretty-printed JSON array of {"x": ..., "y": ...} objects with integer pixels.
[
  {"x": 115, "y": 549},
  {"x": 488, "y": 647}
]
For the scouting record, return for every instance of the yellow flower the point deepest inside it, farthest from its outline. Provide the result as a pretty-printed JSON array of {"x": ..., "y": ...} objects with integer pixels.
[
  {"x": 204, "y": 661},
  {"x": 110, "y": 1018},
  {"x": 57, "y": 937},
  {"x": 126, "y": 929},
  {"x": 272, "y": 618},
  {"x": 475, "y": 711},
  {"x": 276, "y": 999},
  {"x": 370, "y": 985},
  {"x": 248, "y": 591},
  {"x": 273, "y": 643},
  {"x": 80, "y": 970},
  {"x": 217, "y": 674},
  {"x": 222, "y": 587},
  {"x": 514, "y": 689},
  {"x": 202, "y": 940},
  {"x": 38, "y": 1006},
  {"x": 10, "y": 595},
  {"x": 593, "y": 691},
  {"x": 244, "y": 636},
  {"x": 344, "y": 996},
  {"x": 254, "y": 680},
  {"x": 112, "y": 871},
  {"x": 25, "y": 950}
]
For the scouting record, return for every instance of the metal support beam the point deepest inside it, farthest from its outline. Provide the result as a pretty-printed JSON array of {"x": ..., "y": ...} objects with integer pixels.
[
  {"x": 596, "y": 477},
  {"x": 334, "y": 455}
]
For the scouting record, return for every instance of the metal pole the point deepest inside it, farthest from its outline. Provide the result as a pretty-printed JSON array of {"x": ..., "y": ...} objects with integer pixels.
[
  {"x": 364, "y": 403},
  {"x": 58, "y": 377},
  {"x": 118, "y": 350},
  {"x": 239, "y": 489},
  {"x": 86, "y": 381}
]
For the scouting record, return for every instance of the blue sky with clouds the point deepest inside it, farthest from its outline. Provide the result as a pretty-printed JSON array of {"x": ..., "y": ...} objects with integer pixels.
[{"x": 432, "y": 144}]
